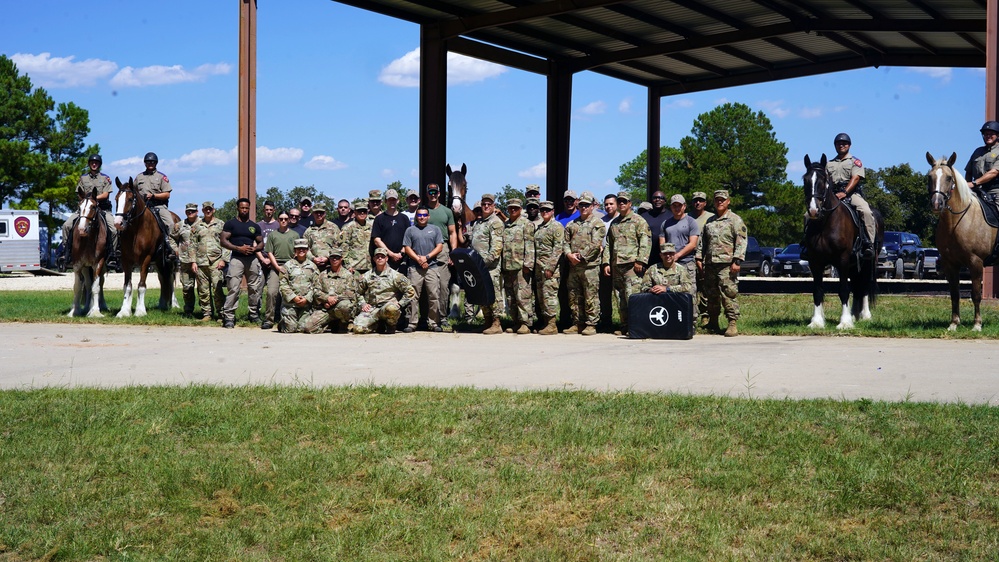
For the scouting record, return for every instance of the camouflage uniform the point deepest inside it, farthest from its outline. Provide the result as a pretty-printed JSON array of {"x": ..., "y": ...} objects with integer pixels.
[
  {"x": 151, "y": 183},
  {"x": 548, "y": 241},
  {"x": 518, "y": 253},
  {"x": 586, "y": 238},
  {"x": 84, "y": 186},
  {"x": 355, "y": 239},
  {"x": 629, "y": 241},
  {"x": 342, "y": 285},
  {"x": 382, "y": 291},
  {"x": 322, "y": 239},
  {"x": 722, "y": 241},
  {"x": 487, "y": 241},
  {"x": 207, "y": 239},
  {"x": 298, "y": 280},
  {"x": 677, "y": 278},
  {"x": 702, "y": 299},
  {"x": 182, "y": 242}
]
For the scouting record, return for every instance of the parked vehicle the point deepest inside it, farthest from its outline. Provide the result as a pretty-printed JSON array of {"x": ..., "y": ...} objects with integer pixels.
[
  {"x": 788, "y": 262},
  {"x": 898, "y": 255},
  {"x": 759, "y": 259},
  {"x": 926, "y": 263},
  {"x": 19, "y": 241}
]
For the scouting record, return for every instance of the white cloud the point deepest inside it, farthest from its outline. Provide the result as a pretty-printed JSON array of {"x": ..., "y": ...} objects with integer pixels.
[
  {"x": 404, "y": 72},
  {"x": 415, "y": 172},
  {"x": 910, "y": 88},
  {"x": 775, "y": 108},
  {"x": 624, "y": 106},
  {"x": 594, "y": 108},
  {"x": 62, "y": 72},
  {"x": 796, "y": 167},
  {"x": 127, "y": 162},
  {"x": 163, "y": 75},
  {"x": 388, "y": 173},
  {"x": 810, "y": 112},
  {"x": 206, "y": 157},
  {"x": 679, "y": 103},
  {"x": 537, "y": 171},
  {"x": 278, "y": 155},
  {"x": 322, "y": 162},
  {"x": 942, "y": 74}
]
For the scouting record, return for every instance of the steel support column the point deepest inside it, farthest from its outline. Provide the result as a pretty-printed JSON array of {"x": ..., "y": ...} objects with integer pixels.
[
  {"x": 990, "y": 280},
  {"x": 653, "y": 128},
  {"x": 559, "y": 117},
  {"x": 247, "y": 175},
  {"x": 433, "y": 106}
]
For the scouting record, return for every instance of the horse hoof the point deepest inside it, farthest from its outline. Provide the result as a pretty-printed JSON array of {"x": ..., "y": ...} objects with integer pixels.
[
  {"x": 952, "y": 328},
  {"x": 123, "y": 314},
  {"x": 95, "y": 314},
  {"x": 817, "y": 325},
  {"x": 976, "y": 328},
  {"x": 844, "y": 326}
]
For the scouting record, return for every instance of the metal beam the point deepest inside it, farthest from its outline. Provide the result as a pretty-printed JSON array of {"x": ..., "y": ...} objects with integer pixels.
[
  {"x": 652, "y": 142},
  {"x": 468, "y": 24},
  {"x": 247, "y": 133},
  {"x": 433, "y": 107},
  {"x": 498, "y": 55},
  {"x": 559, "y": 120},
  {"x": 990, "y": 288}
]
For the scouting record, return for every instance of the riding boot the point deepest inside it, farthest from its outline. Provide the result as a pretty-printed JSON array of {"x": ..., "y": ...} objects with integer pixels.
[{"x": 866, "y": 250}]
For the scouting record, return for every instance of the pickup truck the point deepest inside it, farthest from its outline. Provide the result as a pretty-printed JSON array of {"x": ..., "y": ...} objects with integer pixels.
[
  {"x": 899, "y": 255},
  {"x": 759, "y": 259}
]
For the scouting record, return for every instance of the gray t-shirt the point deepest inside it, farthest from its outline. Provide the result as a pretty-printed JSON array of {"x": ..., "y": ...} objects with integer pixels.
[
  {"x": 422, "y": 240},
  {"x": 679, "y": 232}
]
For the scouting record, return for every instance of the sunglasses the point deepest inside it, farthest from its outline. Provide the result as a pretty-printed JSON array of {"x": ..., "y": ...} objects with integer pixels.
[
  {"x": 319, "y": 213},
  {"x": 282, "y": 218},
  {"x": 418, "y": 215},
  {"x": 658, "y": 198},
  {"x": 584, "y": 205},
  {"x": 189, "y": 211},
  {"x": 362, "y": 211}
]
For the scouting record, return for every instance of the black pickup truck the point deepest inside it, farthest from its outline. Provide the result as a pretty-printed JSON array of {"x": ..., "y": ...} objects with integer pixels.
[
  {"x": 759, "y": 259},
  {"x": 899, "y": 255}
]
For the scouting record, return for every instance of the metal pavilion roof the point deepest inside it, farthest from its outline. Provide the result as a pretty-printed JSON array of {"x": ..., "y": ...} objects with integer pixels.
[{"x": 678, "y": 46}]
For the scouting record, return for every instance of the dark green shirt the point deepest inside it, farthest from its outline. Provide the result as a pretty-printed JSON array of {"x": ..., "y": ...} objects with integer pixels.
[{"x": 281, "y": 244}]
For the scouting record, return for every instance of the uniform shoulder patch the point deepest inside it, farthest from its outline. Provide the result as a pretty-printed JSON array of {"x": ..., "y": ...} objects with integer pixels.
[
  {"x": 168, "y": 179},
  {"x": 856, "y": 162}
]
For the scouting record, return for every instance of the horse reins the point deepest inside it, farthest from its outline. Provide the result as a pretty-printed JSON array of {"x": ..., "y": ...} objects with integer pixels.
[{"x": 947, "y": 196}]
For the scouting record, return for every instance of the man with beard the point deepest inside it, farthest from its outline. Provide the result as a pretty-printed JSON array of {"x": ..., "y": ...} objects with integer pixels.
[
  {"x": 655, "y": 218},
  {"x": 242, "y": 237}
]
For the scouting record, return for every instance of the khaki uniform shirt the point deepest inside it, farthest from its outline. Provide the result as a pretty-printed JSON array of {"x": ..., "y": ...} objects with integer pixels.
[
  {"x": 981, "y": 161},
  {"x": 841, "y": 170},
  {"x": 151, "y": 184},
  {"x": 88, "y": 182}
]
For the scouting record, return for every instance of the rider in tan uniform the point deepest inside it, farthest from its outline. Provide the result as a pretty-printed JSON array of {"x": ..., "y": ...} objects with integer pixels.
[
  {"x": 846, "y": 173},
  {"x": 155, "y": 188}
]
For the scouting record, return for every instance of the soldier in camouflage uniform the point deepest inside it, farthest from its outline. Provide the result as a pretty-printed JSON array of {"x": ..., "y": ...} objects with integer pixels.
[
  {"x": 518, "y": 267},
  {"x": 155, "y": 188},
  {"x": 584, "y": 239},
  {"x": 549, "y": 238},
  {"x": 298, "y": 291},
  {"x": 701, "y": 215},
  {"x": 336, "y": 297},
  {"x": 355, "y": 239},
  {"x": 667, "y": 276},
  {"x": 87, "y": 183},
  {"x": 487, "y": 241},
  {"x": 323, "y": 235},
  {"x": 212, "y": 258},
  {"x": 383, "y": 293},
  {"x": 720, "y": 252},
  {"x": 533, "y": 209},
  {"x": 181, "y": 240},
  {"x": 629, "y": 241}
]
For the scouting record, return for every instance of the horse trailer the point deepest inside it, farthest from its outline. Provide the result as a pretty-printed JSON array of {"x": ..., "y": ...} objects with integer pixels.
[{"x": 19, "y": 241}]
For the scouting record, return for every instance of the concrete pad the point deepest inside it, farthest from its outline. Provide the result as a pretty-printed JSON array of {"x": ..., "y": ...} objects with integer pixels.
[{"x": 41, "y": 355}]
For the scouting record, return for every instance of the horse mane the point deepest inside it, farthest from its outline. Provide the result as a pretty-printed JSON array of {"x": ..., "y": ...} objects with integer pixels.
[{"x": 961, "y": 184}]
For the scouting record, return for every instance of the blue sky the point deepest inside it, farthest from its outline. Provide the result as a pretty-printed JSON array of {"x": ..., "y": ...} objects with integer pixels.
[{"x": 337, "y": 101}]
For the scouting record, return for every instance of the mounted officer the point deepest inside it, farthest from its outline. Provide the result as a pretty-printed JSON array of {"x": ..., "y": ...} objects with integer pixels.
[
  {"x": 846, "y": 174},
  {"x": 95, "y": 179},
  {"x": 155, "y": 188},
  {"x": 982, "y": 171}
]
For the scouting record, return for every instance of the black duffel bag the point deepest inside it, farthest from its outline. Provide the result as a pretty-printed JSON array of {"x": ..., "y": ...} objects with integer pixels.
[
  {"x": 473, "y": 277},
  {"x": 666, "y": 316}
]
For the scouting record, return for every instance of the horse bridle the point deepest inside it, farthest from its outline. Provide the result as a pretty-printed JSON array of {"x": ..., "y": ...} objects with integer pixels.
[
  {"x": 93, "y": 211},
  {"x": 821, "y": 199},
  {"x": 127, "y": 218},
  {"x": 946, "y": 196}
]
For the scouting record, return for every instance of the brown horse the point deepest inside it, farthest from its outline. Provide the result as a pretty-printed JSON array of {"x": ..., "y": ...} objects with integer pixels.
[
  {"x": 830, "y": 238},
  {"x": 457, "y": 191},
  {"x": 141, "y": 243},
  {"x": 963, "y": 236},
  {"x": 90, "y": 245}
]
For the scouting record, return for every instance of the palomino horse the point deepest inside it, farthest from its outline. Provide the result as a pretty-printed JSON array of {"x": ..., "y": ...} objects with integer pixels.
[
  {"x": 140, "y": 243},
  {"x": 90, "y": 245},
  {"x": 830, "y": 235},
  {"x": 457, "y": 188},
  {"x": 963, "y": 236}
]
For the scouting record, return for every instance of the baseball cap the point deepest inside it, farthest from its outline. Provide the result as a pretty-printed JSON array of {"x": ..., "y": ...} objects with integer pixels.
[
  {"x": 547, "y": 205},
  {"x": 488, "y": 197},
  {"x": 208, "y": 205},
  {"x": 677, "y": 199},
  {"x": 391, "y": 194},
  {"x": 624, "y": 195},
  {"x": 360, "y": 206},
  {"x": 570, "y": 194},
  {"x": 381, "y": 251},
  {"x": 376, "y": 194},
  {"x": 305, "y": 201},
  {"x": 336, "y": 251},
  {"x": 412, "y": 193},
  {"x": 532, "y": 188},
  {"x": 319, "y": 207},
  {"x": 515, "y": 203},
  {"x": 586, "y": 198},
  {"x": 533, "y": 201}
]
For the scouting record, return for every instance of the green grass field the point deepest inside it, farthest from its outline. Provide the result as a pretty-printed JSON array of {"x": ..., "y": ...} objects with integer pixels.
[
  {"x": 894, "y": 316},
  {"x": 384, "y": 473}
]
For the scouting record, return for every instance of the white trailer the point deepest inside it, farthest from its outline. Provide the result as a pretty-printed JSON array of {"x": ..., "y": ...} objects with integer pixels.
[{"x": 19, "y": 241}]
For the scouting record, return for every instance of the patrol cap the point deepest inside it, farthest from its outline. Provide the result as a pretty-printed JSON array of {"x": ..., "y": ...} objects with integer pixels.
[
  {"x": 645, "y": 206},
  {"x": 478, "y": 205},
  {"x": 623, "y": 195},
  {"x": 533, "y": 202},
  {"x": 301, "y": 243},
  {"x": 547, "y": 205},
  {"x": 570, "y": 194},
  {"x": 360, "y": 206},
  {"x": 588, "y": 194},
  {"x": 532, "y": 188},
  {"x": 515, "y": 203},
  {"x": 305, "y": 201},
  {"x": 191, "y": 207},
  {"x": 699, "y": 195},
  {"x": 319, "y": 208},
  {"x": 336, "y": 251},
  {"x": 376, "y": 194},
  {"x": 668, "y": 248},
  {"x": 208, "y": 205},
  {"x": 381, "y": 252},
  {"x": 586, "y": 198},
  {"x": 677, "y": 199},
  {"x": 488, "y": 197},
  {"x": 722, "y": 193},
  {"x": 413, "y": 193},
  {"x": 391, "y": 194}
]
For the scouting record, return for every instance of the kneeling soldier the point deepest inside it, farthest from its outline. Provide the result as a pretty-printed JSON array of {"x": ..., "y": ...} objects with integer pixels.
[
  {"x": 298, "y": 289},
  {"x": 336, "y": 296},
  {"x": 667, "y": 277},
  {"x": 382, "y": 294}
]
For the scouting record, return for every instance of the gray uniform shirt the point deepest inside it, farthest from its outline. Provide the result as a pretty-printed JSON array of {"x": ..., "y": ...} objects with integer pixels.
[
  {"x": 423, "y": 240},
  {"x": 679, "y": 232}
]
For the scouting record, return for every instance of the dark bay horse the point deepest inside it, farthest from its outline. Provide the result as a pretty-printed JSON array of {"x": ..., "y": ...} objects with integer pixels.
[
  {"x": 963, "y": 236},
  {"x": 457, "y": 192},
  {"x": 90, "y": 246},
  {"x": 830, "y": 235},
  {"x": 140, "y": 244}
]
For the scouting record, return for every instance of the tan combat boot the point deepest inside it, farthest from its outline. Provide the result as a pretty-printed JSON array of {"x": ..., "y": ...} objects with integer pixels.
[
  {"x": 589, "y": 331},
  {"x": 550, "y": 328},
  {"x": 523, "y": 329},
  {"x": 492, "y": 325},
  {"x": 731, "y": 331}
]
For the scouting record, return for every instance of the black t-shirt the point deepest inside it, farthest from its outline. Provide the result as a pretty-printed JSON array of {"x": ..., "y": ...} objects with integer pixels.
[
  {"x": 242, "y": 233},
  {"x": 391, "y": 229},
  {"x": 655, "y": 221}
]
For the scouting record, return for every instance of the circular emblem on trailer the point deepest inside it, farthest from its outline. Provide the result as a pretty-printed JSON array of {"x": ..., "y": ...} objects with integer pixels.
[
  {"x": 658, "y": 316},
  {"x": 21, "y": 226}
]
